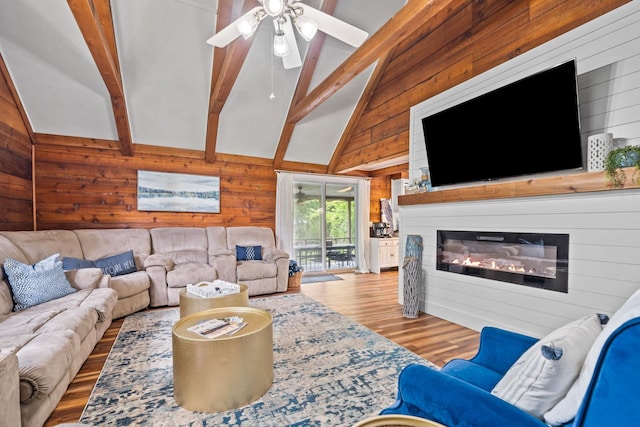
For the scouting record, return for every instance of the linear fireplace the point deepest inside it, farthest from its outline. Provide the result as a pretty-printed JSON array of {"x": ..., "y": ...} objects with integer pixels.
[{"x": 539, "y": 260}]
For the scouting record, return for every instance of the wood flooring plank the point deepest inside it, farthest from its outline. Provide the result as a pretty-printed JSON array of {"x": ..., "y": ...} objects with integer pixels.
[{"x": 369, "y": 299}]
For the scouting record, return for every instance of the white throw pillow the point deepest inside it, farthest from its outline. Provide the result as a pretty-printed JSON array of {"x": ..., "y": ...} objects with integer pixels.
[
  {"x": 567, "y": 408},
  {"x": 544, "y": 373}
]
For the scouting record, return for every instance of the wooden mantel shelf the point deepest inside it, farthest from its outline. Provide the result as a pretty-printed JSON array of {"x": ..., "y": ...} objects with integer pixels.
[{"x": 584, "y": 182}]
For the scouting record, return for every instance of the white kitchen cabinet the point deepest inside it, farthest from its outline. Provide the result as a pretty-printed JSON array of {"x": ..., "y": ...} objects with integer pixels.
[{"x": 384, "y": 253}]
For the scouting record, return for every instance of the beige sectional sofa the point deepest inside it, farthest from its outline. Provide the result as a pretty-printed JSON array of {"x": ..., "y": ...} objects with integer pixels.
[{"x": 50, "y": 341}]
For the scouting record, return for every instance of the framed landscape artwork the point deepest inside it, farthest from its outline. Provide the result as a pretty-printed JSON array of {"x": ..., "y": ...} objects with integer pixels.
[{"x": 178, "y": 192}]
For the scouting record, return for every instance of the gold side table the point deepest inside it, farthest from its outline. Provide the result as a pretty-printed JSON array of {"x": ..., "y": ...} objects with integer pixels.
[
  {"x": 190, "y": 303},
  {"x": 397, "y": 421},
  {"x": 213, "y": 375}
]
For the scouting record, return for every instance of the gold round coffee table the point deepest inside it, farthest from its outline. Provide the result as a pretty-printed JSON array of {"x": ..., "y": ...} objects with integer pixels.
[
  {"x": 190, "y": 303},
  {"x": 219, "y": 374},
  {"x": 397, "y": 421}
]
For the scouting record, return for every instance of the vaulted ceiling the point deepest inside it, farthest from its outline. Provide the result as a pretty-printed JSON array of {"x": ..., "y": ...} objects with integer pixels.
[{"x": 141, "y": 72}]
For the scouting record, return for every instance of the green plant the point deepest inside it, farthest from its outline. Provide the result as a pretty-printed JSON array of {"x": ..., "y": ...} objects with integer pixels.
[{"x": 620, "y": 158}]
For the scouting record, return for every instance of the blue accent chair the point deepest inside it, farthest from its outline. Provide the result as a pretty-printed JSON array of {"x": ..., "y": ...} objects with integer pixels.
[{"x": 459, "y": 394}]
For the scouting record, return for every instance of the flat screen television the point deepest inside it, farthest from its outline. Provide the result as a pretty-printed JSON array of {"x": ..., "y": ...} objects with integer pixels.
[{"x": 528, "y": 127}]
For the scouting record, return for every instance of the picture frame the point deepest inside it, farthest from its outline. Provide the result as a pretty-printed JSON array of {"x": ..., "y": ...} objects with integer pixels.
[{"x": 178, "y": 192}]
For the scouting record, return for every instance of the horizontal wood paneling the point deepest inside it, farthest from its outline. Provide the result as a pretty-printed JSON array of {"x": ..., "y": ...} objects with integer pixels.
[
  {"x": 16, "y": 207},
  {"x": 473, "y": 37},
  {"x": 78, "y": 187},
  {"x": 380, "y": 189}
]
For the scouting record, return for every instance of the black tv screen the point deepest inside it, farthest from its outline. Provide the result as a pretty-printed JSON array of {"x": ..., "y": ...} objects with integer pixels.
[{"x": 527, "y": 127}]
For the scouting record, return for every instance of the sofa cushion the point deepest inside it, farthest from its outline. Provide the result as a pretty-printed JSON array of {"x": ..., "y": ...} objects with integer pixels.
[
  {"x": 249, "y": 253},
  {"x": 102, "y": 243},
  {"x": 181, "y": 244},
  {"x": 130, "y": 284},
  {"x": 6, "y": 300},
  {"x": 34, "y": 284},
  {"x": 190, "y": 273},
  {"x": 37, "y": 245},
  {"x": 44, "y": 360},
  {"x": 544, "y": 373},
  {"x": 253, "y": 270},
  {"x": 567, "y": 408},
  {"x": 86, "y": 278}
]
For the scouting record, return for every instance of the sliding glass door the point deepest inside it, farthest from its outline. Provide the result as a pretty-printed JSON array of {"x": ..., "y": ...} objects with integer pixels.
[{"x": 325, "y": 226}]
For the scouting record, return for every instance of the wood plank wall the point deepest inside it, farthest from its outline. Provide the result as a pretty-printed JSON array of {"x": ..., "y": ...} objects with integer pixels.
[
  {"x": 16, "y": 208},
  {"x": 79, "y": 187},
  {"x": 472, "y": 38}
]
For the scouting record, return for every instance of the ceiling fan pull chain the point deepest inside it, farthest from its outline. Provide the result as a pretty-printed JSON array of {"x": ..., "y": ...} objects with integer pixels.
[{"x": 272, "y": 96}]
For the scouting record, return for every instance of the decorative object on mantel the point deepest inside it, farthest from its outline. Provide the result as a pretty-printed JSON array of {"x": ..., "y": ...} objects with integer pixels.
[
  {"x": 599, "y": 146},
  {"x": 620, "y": 158},
  {"x": 425, "y": 180}
]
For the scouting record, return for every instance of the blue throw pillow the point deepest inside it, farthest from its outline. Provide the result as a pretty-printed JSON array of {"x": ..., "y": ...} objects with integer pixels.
[
  {"x": 117, "y": 265},
  {"x": 249, "y": 253},
  {"x": 70, "y": 263},
  {"x": 38, "y": 283}
]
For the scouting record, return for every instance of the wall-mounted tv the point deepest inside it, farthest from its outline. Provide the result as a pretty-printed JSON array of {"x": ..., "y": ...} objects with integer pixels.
[{"x": 527, "y": 127}]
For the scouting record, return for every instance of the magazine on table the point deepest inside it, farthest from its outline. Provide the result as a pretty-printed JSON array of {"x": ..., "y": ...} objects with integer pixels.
[
  {"x": 217, "y": 288},
  {"x": 214, "y": 328}
]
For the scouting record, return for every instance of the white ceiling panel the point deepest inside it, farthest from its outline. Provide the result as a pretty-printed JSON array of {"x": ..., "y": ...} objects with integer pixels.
[
  {"x": 52, "y": 69},
  {"x": 166, "y": 69}
]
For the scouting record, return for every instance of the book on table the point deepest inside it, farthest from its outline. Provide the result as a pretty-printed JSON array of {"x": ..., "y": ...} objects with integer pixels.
[
  {"x": 214, "y": 328},
  {"x": 217, "y": 288}
]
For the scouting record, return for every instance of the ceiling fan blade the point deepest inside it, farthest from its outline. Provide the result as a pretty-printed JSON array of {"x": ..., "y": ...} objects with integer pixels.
[
  {"x": 334, "y": 26},
  {"x": 230, "y": 32},
  {"x": 292, "y": 60}
]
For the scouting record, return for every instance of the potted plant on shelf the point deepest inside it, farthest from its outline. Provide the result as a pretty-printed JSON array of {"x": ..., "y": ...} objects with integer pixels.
[{"x": 620, "y": 158}]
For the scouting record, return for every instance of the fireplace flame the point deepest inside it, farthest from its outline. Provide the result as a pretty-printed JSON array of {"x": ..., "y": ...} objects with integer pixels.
[{"x": 493, "y": 265}]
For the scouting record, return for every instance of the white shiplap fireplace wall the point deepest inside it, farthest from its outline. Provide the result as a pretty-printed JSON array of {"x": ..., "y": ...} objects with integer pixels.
[{"x": 604, "y": 227}]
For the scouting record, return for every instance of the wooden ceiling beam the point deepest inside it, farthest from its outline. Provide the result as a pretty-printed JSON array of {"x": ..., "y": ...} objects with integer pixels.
[
  {"x": 400, "y": 27},
  {"x": 91, "y": 17},
  {"x": 306, "y": 74},
  {"x": 226, "y": 66},
  {"x": 357, "y": 113},
  {"x": 4, "y": 73}
]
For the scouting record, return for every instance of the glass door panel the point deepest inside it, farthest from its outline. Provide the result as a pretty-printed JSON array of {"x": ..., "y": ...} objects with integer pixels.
[
  {"x": 308, "y": 231},
  {"x": 324, "y": 226},
  {"x": 340, "y": 226}
]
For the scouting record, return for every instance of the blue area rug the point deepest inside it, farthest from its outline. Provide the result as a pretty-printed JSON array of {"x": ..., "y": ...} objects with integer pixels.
[
  {"x": 328, "y": 371},
  {"x": 319, "y": 278}
]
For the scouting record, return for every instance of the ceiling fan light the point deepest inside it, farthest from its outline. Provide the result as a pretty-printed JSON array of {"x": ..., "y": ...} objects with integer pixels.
[
  {"x": 280, "y": 46},
  {"x": 247, "y": 26},
  {"x": 273, "y": 7},
  {"x": 306, "y": 27}
]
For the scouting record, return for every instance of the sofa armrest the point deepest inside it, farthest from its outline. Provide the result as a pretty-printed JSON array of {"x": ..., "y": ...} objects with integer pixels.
[
  {"x": 429, "y": 393},
  {"x": 499, "y": 349},
  {"x": 273, "y": 254},
  {"x": 10, "y": 390},
  {"x": 159, "y": 260},
  {"x": 224, "y": 261},
  {"x": 87, "y": 278}
]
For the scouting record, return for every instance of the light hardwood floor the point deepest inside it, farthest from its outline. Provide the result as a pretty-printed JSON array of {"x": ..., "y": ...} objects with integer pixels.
[{"x": 369, "y": 299}]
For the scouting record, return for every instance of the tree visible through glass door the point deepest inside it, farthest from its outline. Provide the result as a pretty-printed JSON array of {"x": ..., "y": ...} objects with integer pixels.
[{"x": 324, "y": 226}]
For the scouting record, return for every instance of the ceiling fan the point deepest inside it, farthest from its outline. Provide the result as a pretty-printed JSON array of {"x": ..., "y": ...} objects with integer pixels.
[
  {"x": 286, "y": 14},
  {"x": 300, "y": 196}
]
